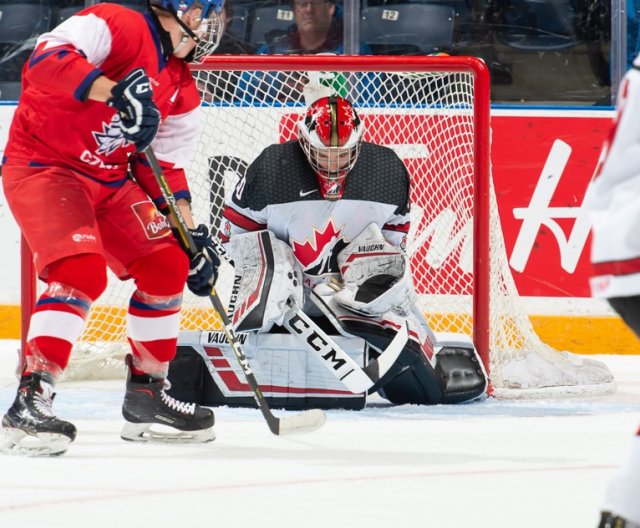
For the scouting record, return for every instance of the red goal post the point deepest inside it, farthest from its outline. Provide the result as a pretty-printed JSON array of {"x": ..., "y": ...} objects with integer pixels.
[
  {"x": 471, "y": 66},
  {"x": 435, "y": 113}
]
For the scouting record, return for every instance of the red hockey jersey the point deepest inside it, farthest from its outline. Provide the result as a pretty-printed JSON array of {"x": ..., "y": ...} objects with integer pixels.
[{"x": 55, "y": 125}]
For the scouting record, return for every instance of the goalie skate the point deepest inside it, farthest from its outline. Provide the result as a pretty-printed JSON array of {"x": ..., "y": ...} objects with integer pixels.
[
  {"x": 30, "y": 427},
  {"x": 152, "y": 415},
  {"x": 610, "y": 520}
]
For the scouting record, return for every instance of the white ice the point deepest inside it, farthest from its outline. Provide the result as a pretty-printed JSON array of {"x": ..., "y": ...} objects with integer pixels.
[{"x": 489, "y": 464}]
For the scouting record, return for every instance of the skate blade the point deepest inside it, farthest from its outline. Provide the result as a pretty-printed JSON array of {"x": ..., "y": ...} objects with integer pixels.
[
  {"x": 18, "y": 442},
  {"x": 155, "y": 433}
]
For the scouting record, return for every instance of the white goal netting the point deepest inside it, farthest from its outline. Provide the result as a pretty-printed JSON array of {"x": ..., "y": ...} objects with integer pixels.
[{"x": 434, "y": 112}]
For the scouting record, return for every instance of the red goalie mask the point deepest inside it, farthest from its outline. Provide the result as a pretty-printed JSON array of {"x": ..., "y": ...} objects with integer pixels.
[{"x": 330, "y": 135}]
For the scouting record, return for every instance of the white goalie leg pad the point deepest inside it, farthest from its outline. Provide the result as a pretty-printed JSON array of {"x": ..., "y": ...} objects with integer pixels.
[
  {"x": 377, "y": 276},
  {"x": 338, "y": 363},
  {"x": 426, "y": 370},
  {"x": 267, "y": 275},
  {"x": 289, "y": 373},
  {"x": 389, "y": 335}
]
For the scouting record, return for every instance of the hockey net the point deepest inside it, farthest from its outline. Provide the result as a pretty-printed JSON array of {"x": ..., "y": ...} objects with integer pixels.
[{"x": 434, "y": 112}]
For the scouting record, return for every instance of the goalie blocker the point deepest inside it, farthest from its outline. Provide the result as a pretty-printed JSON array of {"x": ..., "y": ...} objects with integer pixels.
[{"x": 366, "y": 340}]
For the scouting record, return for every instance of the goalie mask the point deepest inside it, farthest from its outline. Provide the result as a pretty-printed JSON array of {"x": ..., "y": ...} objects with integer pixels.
[
  {"x": 200, "y": 20},
  {"x": 330, "y": 135}
]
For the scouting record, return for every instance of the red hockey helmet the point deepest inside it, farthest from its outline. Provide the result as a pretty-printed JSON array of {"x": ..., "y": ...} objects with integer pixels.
[{"x": 330, "y": 135}]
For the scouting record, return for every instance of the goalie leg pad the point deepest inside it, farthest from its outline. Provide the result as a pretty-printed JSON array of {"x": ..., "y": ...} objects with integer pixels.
[
  {"x": 290, "y": 376},
  {"x": 629, "y": 310},
  {"x": 458, "y": 369},
  {"x": 462, "y": 373},
  {"x": 267, "y": 276},
  {"x": 413, "y": 379}
]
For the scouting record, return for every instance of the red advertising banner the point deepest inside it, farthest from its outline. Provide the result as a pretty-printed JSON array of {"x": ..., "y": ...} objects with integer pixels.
[
  {"x": 542, "y": 163},
  {"x": 541, "y": 169}
]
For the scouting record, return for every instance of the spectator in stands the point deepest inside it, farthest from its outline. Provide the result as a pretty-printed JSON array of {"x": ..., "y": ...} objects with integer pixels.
[{"x": 317, "y": 29}]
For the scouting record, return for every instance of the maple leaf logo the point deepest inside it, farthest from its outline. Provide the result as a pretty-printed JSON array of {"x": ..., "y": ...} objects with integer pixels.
[
  {"x": 309, "y": 251},
  {"x": 110, "y": 138}
]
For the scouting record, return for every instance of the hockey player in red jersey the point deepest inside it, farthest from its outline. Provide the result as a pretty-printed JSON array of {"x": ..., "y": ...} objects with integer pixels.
[
  {"x": 97, "y": 90},
  {"x": 330, "y": 213},
  {"x": 613, "y": 201}
]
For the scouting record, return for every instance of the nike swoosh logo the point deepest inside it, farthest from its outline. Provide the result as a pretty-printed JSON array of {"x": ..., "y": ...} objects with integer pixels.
[{"x": 303, "y": 193}]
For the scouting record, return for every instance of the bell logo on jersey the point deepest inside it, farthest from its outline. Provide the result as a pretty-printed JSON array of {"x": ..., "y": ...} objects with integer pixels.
[
  {"x": 110, "y": 138},
  {"x": 155, "y": 225}
]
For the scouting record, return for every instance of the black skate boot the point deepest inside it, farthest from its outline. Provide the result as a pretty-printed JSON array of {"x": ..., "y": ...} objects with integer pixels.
[
  {"x": 610, "y": 520},
  {"x": 30, "y": 427},
  {"x": 147, "y": 405}
]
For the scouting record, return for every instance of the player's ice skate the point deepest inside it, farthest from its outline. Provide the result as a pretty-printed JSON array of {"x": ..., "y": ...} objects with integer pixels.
[
  {"x": 30, "y": 427},
  {"x": 152, "y": 415}
]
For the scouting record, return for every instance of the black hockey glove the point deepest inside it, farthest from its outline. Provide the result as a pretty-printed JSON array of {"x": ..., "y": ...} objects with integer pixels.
[
  {"x": 203, "y": 271},
  {"x": 139, "y": 116}
]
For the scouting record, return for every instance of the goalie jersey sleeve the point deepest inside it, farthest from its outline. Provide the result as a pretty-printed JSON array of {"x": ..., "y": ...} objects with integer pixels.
[
  {"x": 70, "y": 131},
  {"x": 279, "y": 192}
]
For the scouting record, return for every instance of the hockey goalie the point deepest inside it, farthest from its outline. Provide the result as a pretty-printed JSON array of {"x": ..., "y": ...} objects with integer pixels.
[{"x": 323, "y": 293}]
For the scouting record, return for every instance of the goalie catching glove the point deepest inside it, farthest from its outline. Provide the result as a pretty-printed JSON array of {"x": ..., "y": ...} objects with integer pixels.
[
  {"x": 139, "y": 116},
  {"x": 203, "y": 269},
  {"x": 376, "y": 276}
]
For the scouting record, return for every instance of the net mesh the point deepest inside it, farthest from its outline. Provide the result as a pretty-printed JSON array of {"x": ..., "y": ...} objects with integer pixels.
[{"x": 427, "y": 118}]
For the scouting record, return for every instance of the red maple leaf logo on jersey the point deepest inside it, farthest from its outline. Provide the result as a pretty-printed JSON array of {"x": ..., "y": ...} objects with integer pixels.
[{"x": 307, "y": 252}]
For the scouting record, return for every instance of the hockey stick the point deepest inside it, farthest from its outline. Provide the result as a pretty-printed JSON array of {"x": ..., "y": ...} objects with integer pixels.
[
  {"x": 298, "y": 423},
  {"x": 337, "y": 361}
]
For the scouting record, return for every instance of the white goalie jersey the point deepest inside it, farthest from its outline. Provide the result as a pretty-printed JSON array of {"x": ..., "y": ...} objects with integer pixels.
[{"x": 280, "y": 193}]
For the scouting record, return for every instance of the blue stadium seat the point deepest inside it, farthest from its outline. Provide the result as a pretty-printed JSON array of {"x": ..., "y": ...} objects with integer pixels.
[
  {"x": 269, "y": 19},
  {"x": 10, "y": 90},
  {"x": 538, "y": 25},
  {"x": 20, "y": 22},
  {"x": 427, "y": 28},
  {"x": 461, "y": 7},
  {"x": 238, "y": 24},
  {"x": 69, "y": 11},
  {"x": 66, "y": 12},
  {"x": 136, "y": 5}
]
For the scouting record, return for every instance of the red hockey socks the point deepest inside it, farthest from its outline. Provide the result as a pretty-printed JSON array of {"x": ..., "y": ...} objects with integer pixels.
[
  {"x": 153, "y": 318},
  {"x": 60, "y": 313}
]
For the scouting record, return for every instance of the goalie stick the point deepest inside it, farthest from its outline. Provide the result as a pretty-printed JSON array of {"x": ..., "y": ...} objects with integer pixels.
[
  {"x": 298, "y": 423},
  {"x": 337, "y": 361}
]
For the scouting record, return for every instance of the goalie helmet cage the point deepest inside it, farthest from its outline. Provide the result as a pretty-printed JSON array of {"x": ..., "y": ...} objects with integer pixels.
[{"x": 435, "y": 113}]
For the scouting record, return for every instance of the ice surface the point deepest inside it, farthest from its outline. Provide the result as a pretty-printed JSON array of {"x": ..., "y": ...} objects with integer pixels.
[{"x": 489, "y": 464}]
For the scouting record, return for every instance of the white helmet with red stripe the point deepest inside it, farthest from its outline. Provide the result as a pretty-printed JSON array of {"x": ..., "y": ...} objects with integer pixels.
[{"x": 330, "y": 135}]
